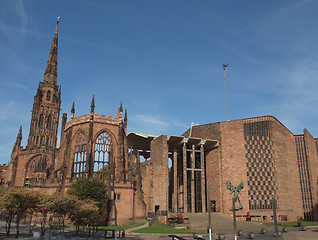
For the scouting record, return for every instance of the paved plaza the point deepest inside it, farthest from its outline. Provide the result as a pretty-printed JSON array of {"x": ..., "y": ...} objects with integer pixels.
[{"x": 292, "y": 234}]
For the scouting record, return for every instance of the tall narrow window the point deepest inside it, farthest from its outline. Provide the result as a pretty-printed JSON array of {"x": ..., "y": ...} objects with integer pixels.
[
  {"x": 54, "y": 98},
  {"x": 102, "y": 154},
  {"x": 48, "y": 95},
  {"x": 49, "y": 121},
  {"x": 41, "y": 119},
  {"x": 42, "y": 141},
  {"x": 79, "y": 169}
]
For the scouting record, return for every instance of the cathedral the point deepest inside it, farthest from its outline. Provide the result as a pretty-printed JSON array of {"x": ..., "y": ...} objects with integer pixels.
[
  {"x": 92, "y": 145},
  {"x": 180, "y": 174}
]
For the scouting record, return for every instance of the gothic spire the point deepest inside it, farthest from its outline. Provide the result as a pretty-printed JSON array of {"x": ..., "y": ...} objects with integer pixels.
[
  {"x": 73, "y": 109},
  {"x": 50, "y": 75},
  {"x": 93, "y": 105}
]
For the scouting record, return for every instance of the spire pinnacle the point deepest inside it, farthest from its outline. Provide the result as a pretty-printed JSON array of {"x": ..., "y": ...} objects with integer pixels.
[
  {"x": 19, "y": 138},
  {"x": 93, "y": 105},
  {"x": 121, "y": 106},
  {"x": 125, "y": 118},
  {"x": 50, "y": 75},
  {"x": 73, "y": 109},
  {"x": 20, "y": 133}
]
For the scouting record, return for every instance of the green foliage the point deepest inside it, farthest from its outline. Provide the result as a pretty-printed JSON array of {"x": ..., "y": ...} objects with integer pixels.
[
  {"x": 45, "y": 206},
  {"x": 62, "y": 205},
  {"x": 122, "y": 227},
  {"x": 16, "y": 202},
  {"x": 84, "y": 214},
  {"x": 293, "y": 224},
  {"x": 92, "y": 189},
  {"x": 161, "y": 228}
]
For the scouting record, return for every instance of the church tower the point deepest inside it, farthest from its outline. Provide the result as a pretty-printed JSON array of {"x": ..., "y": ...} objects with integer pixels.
[{"x": 46, "y": 105}]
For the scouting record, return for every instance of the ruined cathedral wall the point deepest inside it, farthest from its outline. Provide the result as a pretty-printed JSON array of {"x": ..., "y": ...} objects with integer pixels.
[
  {"x": 159, "y": 158},
  {"x": 147, "y": 184},
  {"x": 82, "y": 125},
  {"x": 26, "y": 163}
]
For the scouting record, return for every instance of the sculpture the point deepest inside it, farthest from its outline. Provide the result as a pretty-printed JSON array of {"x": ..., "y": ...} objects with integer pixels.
[{"x": 236, "y": 191}]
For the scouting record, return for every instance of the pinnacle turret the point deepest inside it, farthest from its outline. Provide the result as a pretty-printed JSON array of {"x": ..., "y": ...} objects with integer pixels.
[
  {"x": 120, "y": 109},
  {"x": 126, "y": 117},
  {"x": 19, "y": 137},
  {"x": 93, "y": 105},
  {"x": 17, "y": 143},
  {"x": 73, "y": 110}
]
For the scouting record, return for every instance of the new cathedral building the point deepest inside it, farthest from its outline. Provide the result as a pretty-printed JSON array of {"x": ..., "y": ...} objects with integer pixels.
[{"x": 178, "y": 171}]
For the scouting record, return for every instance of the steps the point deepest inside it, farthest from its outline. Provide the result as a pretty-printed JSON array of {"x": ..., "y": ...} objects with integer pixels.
[{"x": 199, "y": 222}]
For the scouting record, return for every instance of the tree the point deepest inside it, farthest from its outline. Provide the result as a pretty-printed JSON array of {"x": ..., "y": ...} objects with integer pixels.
[
  {"x": 92, "y": 189},
  {"x": 62, "y": 205},
  {"x": 16, "y": 202},
  {"x": 84, "y": 214},
  {"x": 45, "y": 206}
]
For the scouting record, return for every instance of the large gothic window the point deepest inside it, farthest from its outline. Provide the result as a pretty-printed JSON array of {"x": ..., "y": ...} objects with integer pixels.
[
  {"x": 31, "y": 168},
  {"x": 79, "y": 169},
  {"x": 102, "y": 154}
]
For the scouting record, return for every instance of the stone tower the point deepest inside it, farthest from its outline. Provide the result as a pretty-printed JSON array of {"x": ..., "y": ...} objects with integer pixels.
[
  {"x": 46, "y": 105},
  {"x": 35, "y": 163}
]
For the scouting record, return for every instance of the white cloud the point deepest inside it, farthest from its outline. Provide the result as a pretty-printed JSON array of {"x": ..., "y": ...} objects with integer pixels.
[
  {"x": 18, "y": 15},
  {"x": 153, "y": 124},
  {"x": 5, "y": 109},
  {"x": 297, "y": 94}
]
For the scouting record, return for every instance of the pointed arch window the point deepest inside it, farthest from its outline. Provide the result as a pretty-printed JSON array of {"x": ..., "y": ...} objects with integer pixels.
[
  {"x": 49, "y": 121},
  {"x": 30, "y": 169},
  {"x": 42, "y": 141},
  {"x": 79, "y": 169},
  {"x": 41, "y": 119},
  {"x": 102, "y": 154},
  {"x": 54, "y": 98},
  {"x": 48, "y": 95}
]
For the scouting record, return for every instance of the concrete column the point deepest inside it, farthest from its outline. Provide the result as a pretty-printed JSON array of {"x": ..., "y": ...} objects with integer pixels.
[
  {"x": 185, "y": 205},
  {"x": 203, "y": 180},
  {"x": 175, "y": 181}
]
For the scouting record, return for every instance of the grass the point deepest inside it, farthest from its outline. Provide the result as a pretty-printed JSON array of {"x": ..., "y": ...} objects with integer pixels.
[
  {"x": 116, "y": 228},
  {"x": 293, "y": 224},
  {"x": 122, "y": 227},
  {"x": 162, "y": 228}
]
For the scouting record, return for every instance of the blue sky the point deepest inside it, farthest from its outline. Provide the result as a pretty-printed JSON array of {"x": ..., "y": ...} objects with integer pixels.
[{"x": 163, "y": 59}]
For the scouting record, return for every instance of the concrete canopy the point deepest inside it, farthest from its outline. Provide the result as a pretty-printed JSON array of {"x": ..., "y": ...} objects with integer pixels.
[{"x": 141, "y": 141}]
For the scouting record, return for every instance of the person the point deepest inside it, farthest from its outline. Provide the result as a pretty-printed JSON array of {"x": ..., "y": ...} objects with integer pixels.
[
  {"x": 50, "y": 221},
  {"x": 248, "y": 216},
  {"x": 180, "y": 218}
]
